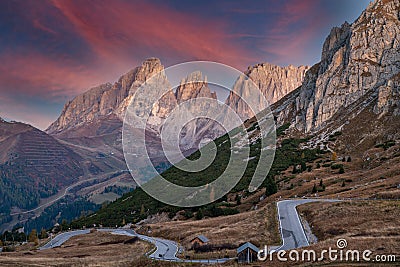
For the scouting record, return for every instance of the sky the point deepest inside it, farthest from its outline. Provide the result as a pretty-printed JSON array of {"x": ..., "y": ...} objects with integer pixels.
[{"x": 51, "y": 51}]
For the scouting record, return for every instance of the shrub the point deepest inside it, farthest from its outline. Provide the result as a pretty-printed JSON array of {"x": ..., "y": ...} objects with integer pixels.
[
  {"x": 341, "y": 170},
  {"x": 199, "y": 214},
  {"x": 9, "y": 249},
  {"x": 314, "y": 189},
  {"x": 270, "y": 187},
  {"x": 336, "y": 166},
  {"x": 386, "y": 144}
]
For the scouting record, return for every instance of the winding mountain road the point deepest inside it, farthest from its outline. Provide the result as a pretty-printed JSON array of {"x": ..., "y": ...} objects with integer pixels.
[
  {"x": 291, "y": 230},
  {"x": 165, "y": 249}
]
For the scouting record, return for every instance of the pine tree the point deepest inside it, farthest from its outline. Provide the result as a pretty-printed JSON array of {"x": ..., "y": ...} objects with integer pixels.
[
  {"x": 32, "y": 236},
  {"x": 294, "y": 171},
  {"x": 303, "y": 166},
  {"x": 199, "y": 214},
  {"x": 238, "y": 200},
  {"x": 341, "y": 170},
  {"x": 270, "y": 187},
  {"x": 64, "y": 225},
  {"x": 314, "y": 189},
  {"x": 43, "y": 233},
  {"x": 142, "y": 210}
]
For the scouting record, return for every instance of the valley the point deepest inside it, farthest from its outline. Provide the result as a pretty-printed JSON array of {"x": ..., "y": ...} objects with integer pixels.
[{"x": 316, "y": 157}]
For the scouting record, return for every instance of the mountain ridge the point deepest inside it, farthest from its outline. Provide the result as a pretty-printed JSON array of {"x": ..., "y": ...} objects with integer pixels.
[{"x": 356, "y": 58}]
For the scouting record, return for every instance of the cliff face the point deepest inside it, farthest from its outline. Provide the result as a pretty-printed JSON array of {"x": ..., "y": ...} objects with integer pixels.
[
  {"x": 94, "y": 118},
  {"x": 109, "y": 100},
  {"x": 273, "y": 81},
  {"x": 361, "y": 60},
  {"x": 104, "y": 99}
]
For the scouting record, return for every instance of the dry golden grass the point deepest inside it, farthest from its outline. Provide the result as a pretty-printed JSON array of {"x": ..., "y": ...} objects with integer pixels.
[
  {"x": 372, "y": 225},
  {"x": 95, "y": 249},
  {"x": 378, "y": 221},
  {"x": 376, "y": 181},
  {"x": 259, "y": 227}
]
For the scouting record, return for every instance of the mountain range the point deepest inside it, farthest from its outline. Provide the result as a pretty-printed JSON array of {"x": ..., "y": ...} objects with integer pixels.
[
  {"x": 84, "y": 145},
  {"x": 346, "y": 109},
  {"x": 354, "y": 90}
]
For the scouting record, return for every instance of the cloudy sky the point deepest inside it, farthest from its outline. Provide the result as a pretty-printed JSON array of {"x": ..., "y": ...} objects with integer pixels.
[{"x": 50, "y": 51}]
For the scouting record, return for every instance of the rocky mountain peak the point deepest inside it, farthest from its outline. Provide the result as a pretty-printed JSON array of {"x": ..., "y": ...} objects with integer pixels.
[
  {"x": 359, "y": 62},
  {"x": 273, "y": 81},
  {"x": 338, "y": 37},
  {"x": 105, "y": 99},
  {"x": 193, "y": 86}
]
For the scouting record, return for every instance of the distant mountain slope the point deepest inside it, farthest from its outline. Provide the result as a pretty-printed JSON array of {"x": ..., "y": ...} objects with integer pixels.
[{"x": 33, "y": 165}]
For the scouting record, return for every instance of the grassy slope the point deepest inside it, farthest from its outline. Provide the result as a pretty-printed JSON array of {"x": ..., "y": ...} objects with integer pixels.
[{"x": 137, "y": 205}]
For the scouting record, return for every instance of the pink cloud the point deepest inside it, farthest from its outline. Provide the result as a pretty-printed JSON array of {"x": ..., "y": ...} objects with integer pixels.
[
  {"x": 117, "y": 30},
  {"x": 34, "y": 74},
  {"x": 286, "y": 39},
  {"x": 38, "y": 25}
]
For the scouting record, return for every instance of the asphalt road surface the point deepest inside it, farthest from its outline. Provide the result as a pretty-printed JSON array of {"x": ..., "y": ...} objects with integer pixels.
[
  {"x": 165, "y": 249},
  {"x": 61, "y": 238},
  {"x": 291, "y": 229},
  {"x": 292, "y": 232}
]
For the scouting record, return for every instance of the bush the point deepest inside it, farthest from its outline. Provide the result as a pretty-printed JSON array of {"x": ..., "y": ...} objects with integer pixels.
[
  {"x": 303, "y": 166},
  {"x": 270, "y": 187},
  {"x": 199, "y": 215},
  {"x": 238, "y": 199},
  {"x": 281, "y": 130},
  {"x": 386, "y": 144},
  {"x": 336, "y": 166},
  {"x": 188, "y": 214},
  {"x": 9, "y": 249},
  {"x": 341, "y": 170}
]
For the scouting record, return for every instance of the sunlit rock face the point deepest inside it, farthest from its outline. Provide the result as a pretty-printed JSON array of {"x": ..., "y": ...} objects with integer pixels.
[{"x": 358, "y": 60}]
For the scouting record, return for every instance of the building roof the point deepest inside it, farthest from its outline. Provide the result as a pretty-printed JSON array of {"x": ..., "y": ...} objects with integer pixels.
[
  {"x": 247, "y": 245},
  {"x": 202, "y": 238}
]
